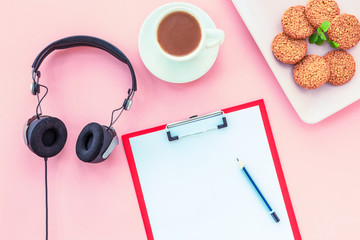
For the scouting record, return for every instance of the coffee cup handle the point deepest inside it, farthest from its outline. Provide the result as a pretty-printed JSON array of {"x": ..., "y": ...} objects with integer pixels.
[{"x": 214, "y": 37}]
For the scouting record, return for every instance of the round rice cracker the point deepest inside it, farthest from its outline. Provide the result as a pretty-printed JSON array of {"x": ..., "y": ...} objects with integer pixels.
[
  {"x": 345, "y": 30},
  {"x": 342, "y": 66},
  {"x": 288, "y": 50},
  {"x": 311, "y": 72},
  {"x": 295, "y": 23},
  {"x": 319, "y": 11}
]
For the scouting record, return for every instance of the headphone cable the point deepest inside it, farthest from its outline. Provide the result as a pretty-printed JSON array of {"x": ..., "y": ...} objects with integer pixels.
[
  {"x": 38, "y": 106},
  {"x": 46, "y": 199}
]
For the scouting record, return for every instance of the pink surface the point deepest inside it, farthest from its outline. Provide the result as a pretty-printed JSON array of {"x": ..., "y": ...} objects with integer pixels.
[{"x": 320, "y": 162}]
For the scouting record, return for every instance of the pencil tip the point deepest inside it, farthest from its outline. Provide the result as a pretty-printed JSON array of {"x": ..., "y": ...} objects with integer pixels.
[{"x": 240, "y": 163}]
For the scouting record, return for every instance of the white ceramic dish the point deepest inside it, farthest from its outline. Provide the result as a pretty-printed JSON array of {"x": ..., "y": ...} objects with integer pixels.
[
  {"x": 262, "y": 18},
  {"x": 161, "y": 66}
]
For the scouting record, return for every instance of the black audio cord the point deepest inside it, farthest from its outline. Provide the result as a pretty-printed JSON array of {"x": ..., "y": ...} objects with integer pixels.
[
  {"x": 38, "y": 106},
  {"x": 46, "y": 200}
]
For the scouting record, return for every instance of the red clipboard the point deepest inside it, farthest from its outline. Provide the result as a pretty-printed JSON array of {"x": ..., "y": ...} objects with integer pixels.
[{"x": 139, "y": 193}]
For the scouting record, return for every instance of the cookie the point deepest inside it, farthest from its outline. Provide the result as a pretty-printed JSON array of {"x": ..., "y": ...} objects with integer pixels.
[
  {"x": 288, "y": 50},
  {"x": 311, "y": 72},
  {"x": 345, "y": 30},
  {"x": 319, "y": 11},
  {"x": 295, "y": 23},
  {"x": 342, "y": 66}
]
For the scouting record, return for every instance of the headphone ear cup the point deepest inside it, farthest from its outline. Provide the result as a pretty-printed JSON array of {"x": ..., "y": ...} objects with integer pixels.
[
  {"x": 47, "y": 136},
  {"x": 92, "y": 143}
]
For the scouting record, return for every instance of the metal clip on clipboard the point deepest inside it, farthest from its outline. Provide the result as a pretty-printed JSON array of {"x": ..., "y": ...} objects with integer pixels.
[{"x": 196, "y": 119}]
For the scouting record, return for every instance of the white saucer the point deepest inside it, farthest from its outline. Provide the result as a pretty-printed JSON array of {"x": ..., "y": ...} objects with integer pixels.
[{"x": 162, "y": 67}]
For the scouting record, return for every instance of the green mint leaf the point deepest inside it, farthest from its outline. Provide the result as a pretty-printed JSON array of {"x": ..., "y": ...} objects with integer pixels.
[
  {"x": 333, "y": 44},
  {"x": 313, "y": 38},
  {"x": 325, "y": 26},
  {"x": 322, "y": 36},
  {"x": 319, "y": 42},
  {"x": 319, "y": 31}
]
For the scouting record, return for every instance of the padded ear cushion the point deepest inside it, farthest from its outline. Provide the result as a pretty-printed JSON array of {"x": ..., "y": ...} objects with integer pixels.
[
  {"x": 47, "y": 136},
  {"x": 92, "y": 142}
]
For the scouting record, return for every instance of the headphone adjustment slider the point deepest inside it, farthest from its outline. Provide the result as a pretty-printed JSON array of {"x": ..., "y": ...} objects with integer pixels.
[
  {"x": 35, "y": 87},
  {"x": 127, "y": 103}
]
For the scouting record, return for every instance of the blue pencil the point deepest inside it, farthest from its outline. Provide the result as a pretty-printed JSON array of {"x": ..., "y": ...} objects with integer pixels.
[{"x": 271, "y": 211}]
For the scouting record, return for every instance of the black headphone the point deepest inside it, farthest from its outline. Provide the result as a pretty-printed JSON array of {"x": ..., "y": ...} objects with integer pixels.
[{"x": 46, "y": 135}]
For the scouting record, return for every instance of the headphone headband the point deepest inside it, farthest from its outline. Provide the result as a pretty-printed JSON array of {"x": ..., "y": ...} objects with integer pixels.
[
  {"x": 88, "y": 41},
  {"x": 77, "y": 41}
]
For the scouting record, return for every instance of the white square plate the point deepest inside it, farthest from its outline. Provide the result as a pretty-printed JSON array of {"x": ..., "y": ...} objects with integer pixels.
[{"x": 262, "y": 18}]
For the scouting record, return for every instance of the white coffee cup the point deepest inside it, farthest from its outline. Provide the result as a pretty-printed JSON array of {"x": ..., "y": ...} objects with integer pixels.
[{"x": 210, "y": 37}]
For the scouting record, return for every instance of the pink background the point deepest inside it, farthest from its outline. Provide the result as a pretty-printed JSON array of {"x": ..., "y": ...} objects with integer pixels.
[{"x": 320, "y": 162}]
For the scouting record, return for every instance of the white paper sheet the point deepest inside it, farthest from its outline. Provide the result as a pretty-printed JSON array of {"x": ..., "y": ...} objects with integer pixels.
[{"x": 194, "y": 188}]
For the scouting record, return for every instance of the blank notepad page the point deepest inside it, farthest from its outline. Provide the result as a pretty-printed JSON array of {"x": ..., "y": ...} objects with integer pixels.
[{"x": 194, "y": 188}]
